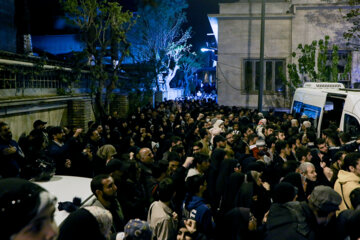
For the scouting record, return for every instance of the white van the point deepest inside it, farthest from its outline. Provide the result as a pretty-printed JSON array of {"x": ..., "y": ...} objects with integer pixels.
[{"x": 328, "y": 102}]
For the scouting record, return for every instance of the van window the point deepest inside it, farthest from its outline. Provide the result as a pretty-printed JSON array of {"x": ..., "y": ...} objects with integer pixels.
[
  {"x": 351, "y": 124},
  {"x": 313, "y": 112},
  {"x": 333, "y": 110}
]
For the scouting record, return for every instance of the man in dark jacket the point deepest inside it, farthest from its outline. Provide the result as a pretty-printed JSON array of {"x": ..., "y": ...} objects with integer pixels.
[
  {"x": 60, "y": 150},
  {"x": 11, "y": 155},
  {"x": 304, "y": 220}
]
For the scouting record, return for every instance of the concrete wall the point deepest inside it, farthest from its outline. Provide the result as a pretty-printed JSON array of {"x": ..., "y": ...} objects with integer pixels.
[
  {"x": 56, "y": 111},
  {"x": 314, "y": 22},
  {"x": 239, "y": 39}
]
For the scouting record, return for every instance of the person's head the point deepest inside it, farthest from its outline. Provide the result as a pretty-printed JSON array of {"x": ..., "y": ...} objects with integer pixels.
[
  {"x": 303, "y": 154},
  {"x": 179, "y": 149},
  {"x": 172, "y": 118},
  {"x": 38, "y": 124},
  {"x": 230, "y": 138},
  {"x": 175, "y": 140},
  {"x": 344, "y": 137},
  {"x": 90, "y": 222},
  {"x": 352, "y": 163},
  {"x": 246, "y": 131},
  {"x": 307, "y": 169},
  {"x": 306, "y": 125},
  {"x": 324, "y": 201},
  {"x": 98, "y": 128},
  {"x": 106, "y": 152},
  {"x": 355, "y": 198},
  {"x": 57, "y": 134},
  {"x": 94, "y": 134},
  {"x": 36, "y": 139},
  {"x": 284, "y": 192},
  {"x": 204, "y": 133},
  {"x": 146, "y": 156},
  {"x": 219, "y": 141},
  {"x": 269, "y": 129},
  {"x": 27, "y": 211},
  {"x": 261, "y": 145},
  {"x": 280, "y": 135},
  {"x": 196, "y": 185},
  {"x": 183, "y": 233},
  {"x": 117, "y": 168},
  {"x": 166, "y": 190},
  {"x": 174, "y": 162},
  {"x": 282, "y": 148},
  {"x": 339, "y": 158},
  {"x": 197, "y": 147},
  {"x": 104, "y": 188},
  {"x": 187, "y": 117},
  {"x": 321, "y": 145},
  {"x": 137, "y": 229},
  {"x": 294, "y": 123},
  {"x": 202, "y": 162},
  {"x": 252, "y": 138},
  {"x": 5, "y": 132}
]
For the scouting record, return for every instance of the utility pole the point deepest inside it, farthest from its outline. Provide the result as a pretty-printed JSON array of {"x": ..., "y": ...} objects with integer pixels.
[{"x": 262, "y": 40}]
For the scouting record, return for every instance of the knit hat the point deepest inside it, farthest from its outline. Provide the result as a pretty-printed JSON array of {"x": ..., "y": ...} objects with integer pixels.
[
  {"x": 20, "y": 202},
  {"x": 325, "y": 198},
  {"x": 137, "y": 229}
]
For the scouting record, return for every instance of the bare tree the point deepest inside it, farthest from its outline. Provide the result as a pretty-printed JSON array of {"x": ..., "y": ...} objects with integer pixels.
[{"x": 158, "y": 38}]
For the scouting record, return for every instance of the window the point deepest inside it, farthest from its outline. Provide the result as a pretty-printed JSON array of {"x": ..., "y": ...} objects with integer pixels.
[
  {"x": 274, "y": 72},
  {"x": 313, "y": 112},
  {"x": 351, "y": 124}
]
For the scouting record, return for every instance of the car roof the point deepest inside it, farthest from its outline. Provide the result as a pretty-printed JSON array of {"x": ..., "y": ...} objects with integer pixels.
[{"x": 65, "y": 188}]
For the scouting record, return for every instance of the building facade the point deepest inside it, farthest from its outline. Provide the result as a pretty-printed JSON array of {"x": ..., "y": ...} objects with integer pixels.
[{"x": 287, "y": 24}]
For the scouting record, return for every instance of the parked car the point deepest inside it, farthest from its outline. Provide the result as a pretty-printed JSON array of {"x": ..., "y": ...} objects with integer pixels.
[{"x": 65, "y": 188}]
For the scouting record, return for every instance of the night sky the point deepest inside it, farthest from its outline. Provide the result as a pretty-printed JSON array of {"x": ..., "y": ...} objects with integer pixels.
[{"x": 45, "y": 22}]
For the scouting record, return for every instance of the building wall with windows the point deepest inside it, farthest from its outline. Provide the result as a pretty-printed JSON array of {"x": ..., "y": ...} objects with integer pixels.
[{"x": 287, "y": 24}]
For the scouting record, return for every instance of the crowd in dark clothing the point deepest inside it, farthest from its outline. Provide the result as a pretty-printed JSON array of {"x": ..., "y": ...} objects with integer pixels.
[{"x": 198, "y": 170}]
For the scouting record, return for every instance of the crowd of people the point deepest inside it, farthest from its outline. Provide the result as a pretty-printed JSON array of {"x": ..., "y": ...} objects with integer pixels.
[{"x": 186, "y": 170}]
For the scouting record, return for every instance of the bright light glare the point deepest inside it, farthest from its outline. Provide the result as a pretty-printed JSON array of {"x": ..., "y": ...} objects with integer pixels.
[{"x": 207, "y": 50}]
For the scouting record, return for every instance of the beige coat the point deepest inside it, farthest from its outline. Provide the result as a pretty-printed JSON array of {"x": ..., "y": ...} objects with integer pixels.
[
  {"x": 349, "y": 182},
  {"x": 161, "y": 221}
]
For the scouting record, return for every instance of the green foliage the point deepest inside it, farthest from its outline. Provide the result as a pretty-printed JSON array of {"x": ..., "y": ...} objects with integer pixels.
[
  {"x": 334, "y": 64},
  {"x": 347, "y": 69},
  {"x": 307, "y": 59},
  {"x": 295, "y": 81},
  {"x": 103, "y": 26},
  {"x": 321, "y": 60},
  {"x": 352, "y": 16},
  {"x": 319, "y": 72}
]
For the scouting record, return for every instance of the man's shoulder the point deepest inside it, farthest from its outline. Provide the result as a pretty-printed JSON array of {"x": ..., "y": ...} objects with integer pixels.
[{"x": 95, "y": 202}]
